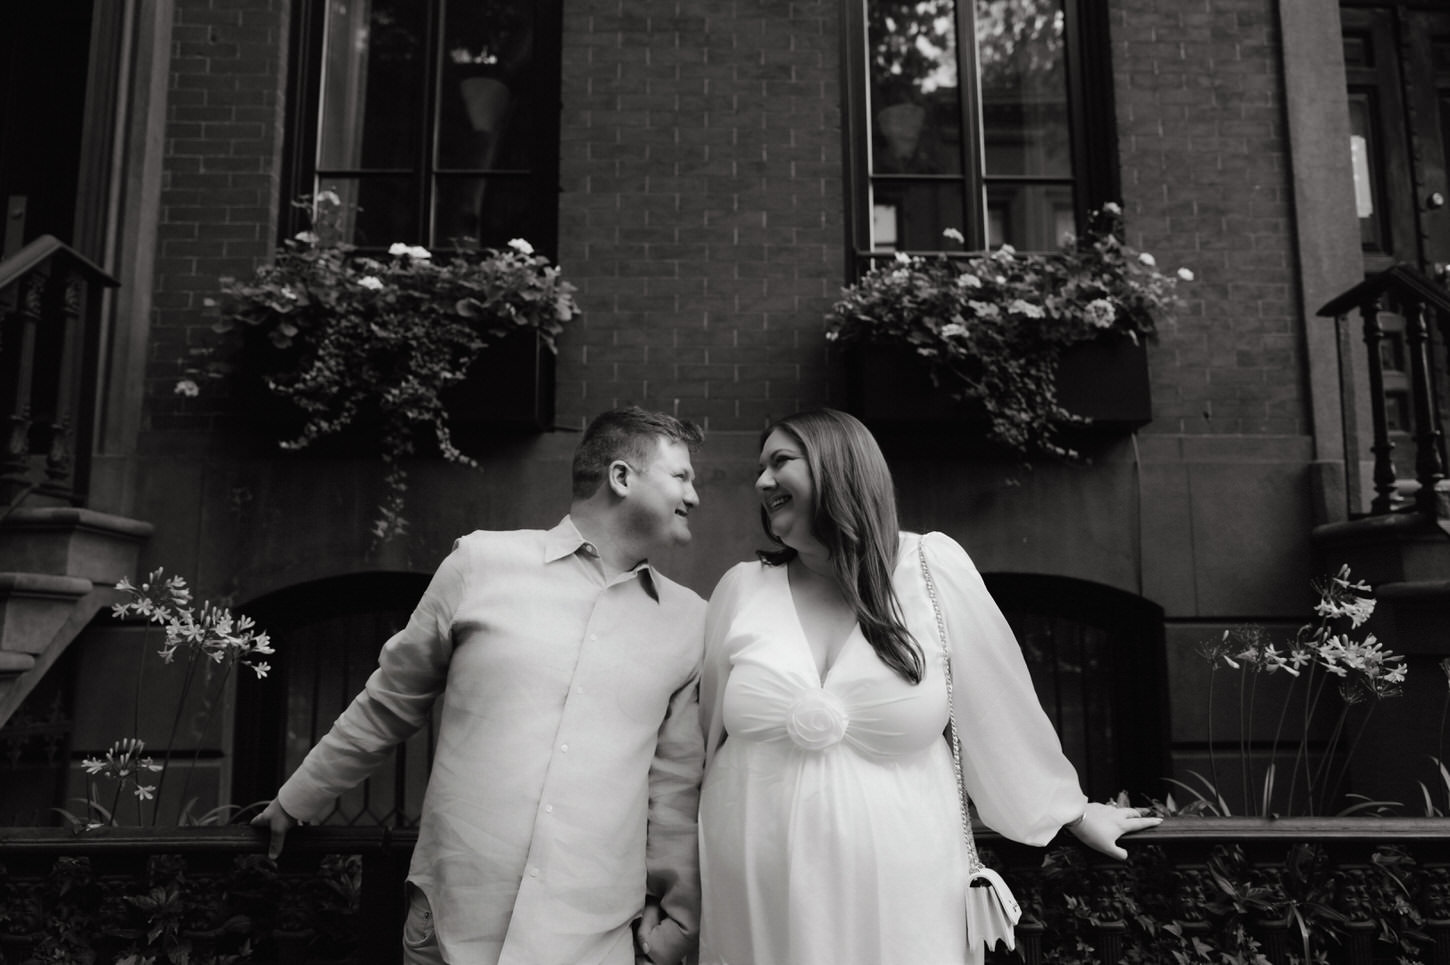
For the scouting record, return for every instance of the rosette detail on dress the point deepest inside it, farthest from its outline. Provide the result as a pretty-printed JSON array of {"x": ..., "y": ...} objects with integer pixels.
[{"x": 816, "y": 720}]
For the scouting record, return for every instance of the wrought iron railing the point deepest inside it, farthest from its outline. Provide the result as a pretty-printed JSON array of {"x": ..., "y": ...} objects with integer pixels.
[
  {"x": 336, "y": 895},
  {"x": 50, "y": 299},
  {"x": 1412, "y": 296}
]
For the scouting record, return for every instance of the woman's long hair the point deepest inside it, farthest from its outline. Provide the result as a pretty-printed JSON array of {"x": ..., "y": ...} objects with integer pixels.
[{"x": 855, "y": 519}]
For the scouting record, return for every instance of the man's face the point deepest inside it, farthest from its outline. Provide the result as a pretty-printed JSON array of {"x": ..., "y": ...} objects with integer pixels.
[{"x": 661, "y": 496}]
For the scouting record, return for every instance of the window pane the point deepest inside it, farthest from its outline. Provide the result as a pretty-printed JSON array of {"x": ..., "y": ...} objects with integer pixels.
[
  {"x": 488, "y": 212},
  {"x": 386, "y": 210},
  {"x": 915, "y": 100},
  {"x": 1032, "y": 217},
  {"x": 1020, "y": 44},
  {"x": 485, "y": 102},
  {"x": 910, "y": 215},
  {"x": 371, "y": 84}
]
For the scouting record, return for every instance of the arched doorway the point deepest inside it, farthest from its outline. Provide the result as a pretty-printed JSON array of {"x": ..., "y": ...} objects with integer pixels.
[
  {"x": 1097, "y": 660},
  {"x": 327, "y": 635}
]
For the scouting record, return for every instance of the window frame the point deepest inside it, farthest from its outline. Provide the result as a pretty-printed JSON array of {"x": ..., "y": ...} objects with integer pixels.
[
  {"x": 304, "y": 96},
  {"x": 1095, "y": 175}
]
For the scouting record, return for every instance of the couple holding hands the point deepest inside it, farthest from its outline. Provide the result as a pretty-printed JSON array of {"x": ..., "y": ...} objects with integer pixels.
[{"x": 625, "y": 774}]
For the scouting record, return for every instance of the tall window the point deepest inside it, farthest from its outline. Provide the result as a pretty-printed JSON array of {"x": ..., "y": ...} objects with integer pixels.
[
  {"x": 974, "y": 115},
  {"x": 438, "y": 119}
]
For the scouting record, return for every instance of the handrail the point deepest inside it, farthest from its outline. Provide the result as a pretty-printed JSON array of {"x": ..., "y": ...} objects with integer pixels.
[
  {"x": 45, "y": 247},
  {"x": 50, "y": 301},
  {"x": 1406, "y": 290}
]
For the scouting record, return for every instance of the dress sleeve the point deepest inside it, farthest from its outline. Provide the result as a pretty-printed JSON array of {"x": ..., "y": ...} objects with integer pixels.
[
  {"x": 1012, "y": 761},
  {"x": 723, "y": 605},
  {"x": 396, "y": 700}
]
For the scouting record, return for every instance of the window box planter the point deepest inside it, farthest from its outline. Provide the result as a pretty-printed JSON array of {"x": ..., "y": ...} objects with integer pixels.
[
  {"x": 509, "y": 389},
  {"x": 1104, "y": 381}
]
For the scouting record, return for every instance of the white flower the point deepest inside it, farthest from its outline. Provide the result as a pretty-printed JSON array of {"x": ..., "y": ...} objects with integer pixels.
[
  {"x": 521, "y": 246},
  {"x": 816, "y": 720},
  {"x": 984, "y": 309},
  {"x": 1101, "y": 313},
  {"x": 832, "y": 335},
  {"x": 954, "y": 235},
  {"x": 328, "y": 197},
  {"x": 1147, "y": 259},
  {"x": 1006, "y": 251},
  {"x": 952, "y": 329},
  {"x": 187, "y": 388},
  {"x": 1112, "y": 208},
  {"x": 903, "y": 258},
  {"x": 968, "y": 280},
  {"x": 418, "y": 252},
  {"x": 1025, "y": 309},
  {"x": 1185, "y": 274},
  {"x": 306, "y": 237},
  {"x": 370, "y": 282}
]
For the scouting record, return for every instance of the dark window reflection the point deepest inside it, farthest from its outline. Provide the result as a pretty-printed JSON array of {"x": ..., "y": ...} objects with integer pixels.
[
  {"x": 372, "y": 92},
  {"x": 1024, "y": 87},
  {"x": 484, "y": 103},
  {"x": 910, "y": 215}
]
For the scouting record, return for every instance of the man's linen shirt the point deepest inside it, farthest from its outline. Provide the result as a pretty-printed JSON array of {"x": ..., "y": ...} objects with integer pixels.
[{"x": 569, "y": 747}]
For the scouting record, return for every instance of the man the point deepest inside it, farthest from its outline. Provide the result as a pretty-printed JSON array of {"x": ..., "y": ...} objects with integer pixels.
[{"x": 559, "y": 823}]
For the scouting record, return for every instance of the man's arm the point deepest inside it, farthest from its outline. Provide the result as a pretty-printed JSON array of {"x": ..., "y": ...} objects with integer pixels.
[
  {"x": 671, "y": 922},
  {"x": 397, "y": 699}
]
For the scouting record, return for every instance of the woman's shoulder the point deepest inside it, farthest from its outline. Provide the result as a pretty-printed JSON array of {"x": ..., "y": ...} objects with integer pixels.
[
  {"x": 740, "y": 575},
  {"x": 939, "y": 548}
]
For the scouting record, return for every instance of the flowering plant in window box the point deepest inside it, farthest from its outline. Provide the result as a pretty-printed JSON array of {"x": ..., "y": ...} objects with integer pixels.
[
  {"x": 992, "y": 328},
  {"x": 379, "y": 341}
]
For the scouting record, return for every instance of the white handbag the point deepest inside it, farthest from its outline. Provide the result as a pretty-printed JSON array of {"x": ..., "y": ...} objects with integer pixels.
[{"x": 992, "y": 912}]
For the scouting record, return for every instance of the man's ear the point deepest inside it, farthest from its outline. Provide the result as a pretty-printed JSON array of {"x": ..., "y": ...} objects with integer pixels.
[{"x": 618, "y": 477}]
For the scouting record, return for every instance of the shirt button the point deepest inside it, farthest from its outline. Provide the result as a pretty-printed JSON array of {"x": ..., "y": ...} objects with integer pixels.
[
  {"x": 533, "y": 872},
  {"x": 593, "y": 636},
  {"x": 564, "y": 748},
  {"x": 548, "y": 809}
]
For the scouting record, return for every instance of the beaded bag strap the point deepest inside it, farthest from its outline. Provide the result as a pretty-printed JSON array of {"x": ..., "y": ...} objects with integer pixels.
[{"x": 974, "y": 863}]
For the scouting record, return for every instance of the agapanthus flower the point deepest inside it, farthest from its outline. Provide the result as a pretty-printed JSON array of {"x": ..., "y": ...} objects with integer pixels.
[
  {"x": 1339, "y": 598},
  {"x": 123, "y": 759}
]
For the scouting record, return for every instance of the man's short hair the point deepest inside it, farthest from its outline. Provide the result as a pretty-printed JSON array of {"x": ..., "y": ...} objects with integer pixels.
[{"x": 627, "y": 433}]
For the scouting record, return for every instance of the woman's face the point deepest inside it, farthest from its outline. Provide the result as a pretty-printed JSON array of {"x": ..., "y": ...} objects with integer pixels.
[{"x": 787, "y": 491}]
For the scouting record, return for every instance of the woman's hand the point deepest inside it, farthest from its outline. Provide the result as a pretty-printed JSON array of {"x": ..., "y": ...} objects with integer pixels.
[{"x": 1103, "y": 824}]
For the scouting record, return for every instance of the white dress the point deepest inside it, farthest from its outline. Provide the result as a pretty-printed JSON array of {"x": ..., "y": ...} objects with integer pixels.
[{"x": 829, "y": 825}]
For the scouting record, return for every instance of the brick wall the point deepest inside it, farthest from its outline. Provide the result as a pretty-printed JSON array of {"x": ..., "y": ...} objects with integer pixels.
[
  {"x": 222, "y": 181},
  {"x": 701, "y": 213},
  {"x": 1205, "y": 181}
]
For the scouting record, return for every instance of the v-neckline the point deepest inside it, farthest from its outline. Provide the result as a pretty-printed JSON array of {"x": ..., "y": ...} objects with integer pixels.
[{"x": 804, "y": 639}]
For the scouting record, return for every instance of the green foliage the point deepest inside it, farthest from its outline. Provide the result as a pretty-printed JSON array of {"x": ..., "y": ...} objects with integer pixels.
[
  {"x": 349, "y": 338},
  {"x": 169, "y": 913},
  {"x": 1225, "y": 911},
  {"x": 992, "y": 327}
]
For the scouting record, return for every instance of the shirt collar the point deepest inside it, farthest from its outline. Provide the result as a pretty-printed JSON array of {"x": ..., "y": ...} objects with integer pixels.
[{"x": 565, "y": 540}]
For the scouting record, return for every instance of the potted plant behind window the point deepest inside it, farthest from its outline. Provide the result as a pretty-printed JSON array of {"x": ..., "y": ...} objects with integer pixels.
[
  {"x": 349, "y": 341},
  {"x": 988, "y": 333}
]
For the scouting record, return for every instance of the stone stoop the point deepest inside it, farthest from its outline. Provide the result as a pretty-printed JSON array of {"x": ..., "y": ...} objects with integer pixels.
[
  {"x": 58, "y": 567},
  {"x": 1416, "y": 614}
]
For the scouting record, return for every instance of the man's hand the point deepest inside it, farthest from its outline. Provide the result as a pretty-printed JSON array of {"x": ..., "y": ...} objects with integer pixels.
[
  {"x": 1103, "y": 824},
  {"x": 277, "y": 822},
  {"x": 644, "y": 927}
]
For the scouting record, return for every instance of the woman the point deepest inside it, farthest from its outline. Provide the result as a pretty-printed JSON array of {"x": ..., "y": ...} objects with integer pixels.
[{"x": 829, "y": 820}]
